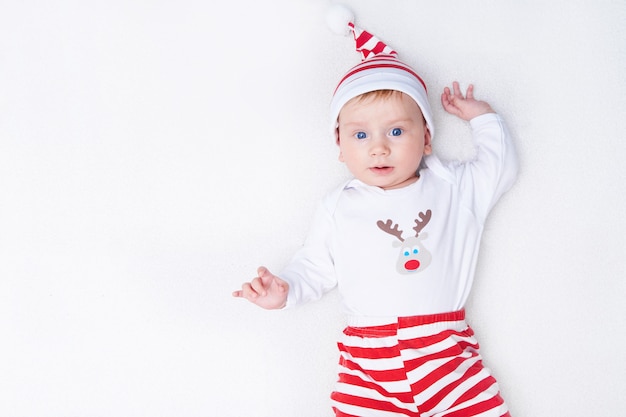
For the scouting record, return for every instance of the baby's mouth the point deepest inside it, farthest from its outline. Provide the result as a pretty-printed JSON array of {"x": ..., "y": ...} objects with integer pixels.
[{"x": 381, "y": 169}]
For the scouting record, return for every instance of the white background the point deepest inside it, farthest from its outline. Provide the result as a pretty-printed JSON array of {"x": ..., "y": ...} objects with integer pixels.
[{"x": 154, "y": 153}]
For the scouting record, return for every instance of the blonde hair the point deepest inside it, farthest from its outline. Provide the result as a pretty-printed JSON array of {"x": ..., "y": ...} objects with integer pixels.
[
  {"x": 376, "y": 94},
  {"x": 384, "y": 95}
]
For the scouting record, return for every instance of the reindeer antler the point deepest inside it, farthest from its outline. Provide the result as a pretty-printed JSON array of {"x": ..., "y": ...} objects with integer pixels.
[
  {"x": 387, "y": 227},
  {"x": 420, "y": 224}
]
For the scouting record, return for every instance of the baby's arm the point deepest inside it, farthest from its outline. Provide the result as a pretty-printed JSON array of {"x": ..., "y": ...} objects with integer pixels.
[
  {"x": 266, "y": 290},
  {"x": 466, "y": 107},
  {"x": 493, "y": 169}
]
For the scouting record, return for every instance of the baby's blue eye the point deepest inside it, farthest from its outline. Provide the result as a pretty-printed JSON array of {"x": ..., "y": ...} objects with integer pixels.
[
  {"x": 396, "y": 131},
  {"x": 361, "y": 135}
]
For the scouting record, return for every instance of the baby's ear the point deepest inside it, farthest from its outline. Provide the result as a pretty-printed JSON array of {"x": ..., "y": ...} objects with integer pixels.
[
  {"x": 338, "y": 141},
  {"x": 428, "y": 147}
]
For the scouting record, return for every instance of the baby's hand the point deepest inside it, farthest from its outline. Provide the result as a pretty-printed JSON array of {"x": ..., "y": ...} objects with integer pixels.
[
  {"x": 267, "y": 290},
  {"x": 464, "y": 107}
]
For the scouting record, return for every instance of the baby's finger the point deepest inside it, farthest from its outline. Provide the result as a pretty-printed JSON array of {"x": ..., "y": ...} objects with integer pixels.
[
  {"x": 470, "y": 92},
  {"x": 283, "y": 287},
  {"x": 457, "y": 89},
  {"x": 280, "y": 284},
  {"x": 265, "y": 275},
  {"x": 248, "y": 292},
  {"x": 257, "y": 286},
  {"x": 238, "y": 293}
]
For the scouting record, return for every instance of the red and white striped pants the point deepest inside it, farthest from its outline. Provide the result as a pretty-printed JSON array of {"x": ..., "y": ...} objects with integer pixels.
[{"x": 417, "y": 366}]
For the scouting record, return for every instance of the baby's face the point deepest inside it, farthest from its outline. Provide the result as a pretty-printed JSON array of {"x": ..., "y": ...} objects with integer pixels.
[{"x": 382, "y": 140}]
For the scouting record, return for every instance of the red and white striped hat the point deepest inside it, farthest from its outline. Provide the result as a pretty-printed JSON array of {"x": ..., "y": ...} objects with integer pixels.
[{"x": 379, "y": 69}]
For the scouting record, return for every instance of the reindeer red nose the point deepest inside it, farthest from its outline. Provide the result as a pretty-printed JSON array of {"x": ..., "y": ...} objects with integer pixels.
[{"x": 412, "y": 265}]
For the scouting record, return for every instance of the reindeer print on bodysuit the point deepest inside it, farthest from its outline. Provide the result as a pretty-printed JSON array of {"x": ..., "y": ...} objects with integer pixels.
[{"x": 413, "y": 257}]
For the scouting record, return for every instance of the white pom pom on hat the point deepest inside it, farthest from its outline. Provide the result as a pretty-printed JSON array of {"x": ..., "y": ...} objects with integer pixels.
[
  {"x": 379, "y": 69},
  {"x": 338, "y": 17}
]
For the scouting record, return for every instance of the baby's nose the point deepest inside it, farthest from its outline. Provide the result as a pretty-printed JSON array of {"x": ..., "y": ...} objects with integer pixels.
[{"x": 379, "y": 147}]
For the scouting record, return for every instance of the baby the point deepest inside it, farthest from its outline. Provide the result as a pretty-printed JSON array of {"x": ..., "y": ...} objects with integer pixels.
[{"x": 400, "y": 242}]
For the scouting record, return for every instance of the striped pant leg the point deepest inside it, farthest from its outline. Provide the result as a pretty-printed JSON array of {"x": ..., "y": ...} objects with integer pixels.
[
  {"x": 420, "y": 366},
  {"x": 445, "y": 368},
  {"x": 372, "y": 381}
]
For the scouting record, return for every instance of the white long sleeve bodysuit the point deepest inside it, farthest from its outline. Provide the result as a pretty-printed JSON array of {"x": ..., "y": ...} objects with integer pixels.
[{"x": 409, "y": 251}]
